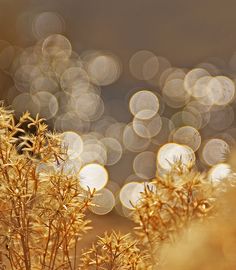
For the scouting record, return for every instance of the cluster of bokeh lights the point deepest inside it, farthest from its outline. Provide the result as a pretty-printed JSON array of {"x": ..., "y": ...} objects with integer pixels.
[{"x": 181, "y": 113}]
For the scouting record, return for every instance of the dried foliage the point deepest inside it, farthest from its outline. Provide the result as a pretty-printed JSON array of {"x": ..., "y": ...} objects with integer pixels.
[
  {"x": 42, "y": 211},
  {"x": 171, "y": 204},
  {"x": 114, "y": 252}
]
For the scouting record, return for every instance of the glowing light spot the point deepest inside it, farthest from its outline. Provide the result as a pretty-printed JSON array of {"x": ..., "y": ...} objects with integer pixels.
[
  {"x": 130, "y": 194},
  {"x": 171, "y": 153},
  {"x": 55, "y": 46},
  {"x": 73, "y": 143},
  {"x": 70, "y": 166},
  {"x": 72, "y": 78},
  {"x": 103, "y": 202},
  {"x": 43, "y": 83},
  {"x": 199, "y": 89},
  {"x": 114, "y": 150},
  {"x": 187, "y": 118},
  {"x": 215, "y": 151},
  {"x": 144, "y": 104},
  {"x": 116, "y": 131},
  {"x": 132, "y": 141},
  {"x": 221, "y": 117},
  {"x": 25, "y": 102},
  {"x": 147, "y": 128},
  {"x": 192, "y": 77},
  {"x": 24, "y": 76},
  {"x": 175, "y": 94},
  {"x": 219, "y": 172},
  {"x": 94, "y": 152},
  {"x": 93, "y": 176},
  {"x": 89, "y": 106},
  {"x": 48, "y": 104},
  {"x": 104, "y": 69},
  {"x": 166, "y": 128},
  {"x": 189, "y": 136},
  {"x": 144, "y": 165},
  {"x": 221, "y": 90},
  {"x": 144, "y": 65},
  {"x": 47, "y": 23}
]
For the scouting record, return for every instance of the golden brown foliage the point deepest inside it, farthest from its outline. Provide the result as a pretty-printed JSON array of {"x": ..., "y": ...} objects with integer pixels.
[
  {"x": 42, "y": 211},
  {"x": 171, "y": 204},
  {"x": 114, "y": 252}
]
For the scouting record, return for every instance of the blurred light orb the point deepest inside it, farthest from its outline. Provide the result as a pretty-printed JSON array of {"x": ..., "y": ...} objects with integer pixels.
[
  {"x": 175, "y": 89},
  {"x": 192, "y": 77},
  {"x": 221, "y": 90},
  {"x": 130, "y": 194},
  {"x": 163, "y": 135},
  {"x": 147, "y": 128},
  {"x": 215, "y": 151},
  {"x": 70, "y": 166},
  {"x": 103, "y": 202},
  {"x": 189, "y": 136},
  {"x": 144, "y": 65},
  {"x": 56, "y": 46},
  {"x": 171, "y": 153},
  {"x": 93, "y": 152},
  {"x": 73, "y": 77},
  {"x": 199, "y": 89},
  {"x": 187, "y": 118},
  {"x": 47, "y": 23},
  {"x": 43, "y": 83},
  {"x": 144, "y": 165},
  {"x": 116, "y": 131},
  {"x": 150, "y": 68},
  {"x": 113, "y": 186},
  {"x": 221, "y": 117},
  {"x": 89, "y": 106},
  {"x": 93, "y": 176},
  {"x": 144, "y": 104},
  {"x": 25, "y": 75},
  {"x": 104, "y": 69},
  {"x": 25, "y": 102},
  {"x": 132, "y": 141},
  {"x": 48, "y": 104},
  {"x": 175, "y": 94},
  {"x": 113, "y": 149},
  {"x": 73, "y": 143},
  {"x": 219, "y": 172}
]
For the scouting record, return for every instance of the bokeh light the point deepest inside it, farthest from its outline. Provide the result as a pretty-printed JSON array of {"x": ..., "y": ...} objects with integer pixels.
[
  {"x": 171, "y": 153},
  {"x": 219, "y": 172},
  {"x": 93, "y": 176},
  {"x": 144, "y": 104},
  {"x": 215, "y": 151},
  {"x": 189, "y": 136},
  {"x": 73, "y": 143},
  {"x": 103, "y": 202}
]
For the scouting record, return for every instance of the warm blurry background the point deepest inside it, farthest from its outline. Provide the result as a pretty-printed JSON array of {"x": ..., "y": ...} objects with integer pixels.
[{"x": 120, "y": 48}]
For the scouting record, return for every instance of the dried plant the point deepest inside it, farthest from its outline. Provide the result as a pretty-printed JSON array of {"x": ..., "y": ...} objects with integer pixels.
[
  {"x": 171, "y": 204},
  {"x": 114, "y": 252},
  {"x": 42, "y": 210}
]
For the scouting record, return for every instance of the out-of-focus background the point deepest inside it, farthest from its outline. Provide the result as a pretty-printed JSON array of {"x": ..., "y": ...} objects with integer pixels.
[{"x": 123, "y": 79}]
